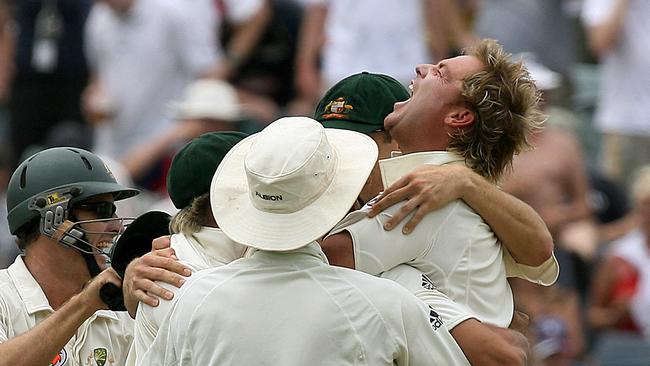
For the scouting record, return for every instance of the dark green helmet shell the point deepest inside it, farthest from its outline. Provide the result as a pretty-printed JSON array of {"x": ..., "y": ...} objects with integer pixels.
[{"x": 49, "y": 175}]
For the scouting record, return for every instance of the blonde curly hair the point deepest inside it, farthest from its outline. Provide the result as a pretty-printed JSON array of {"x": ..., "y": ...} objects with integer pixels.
[
  {"x": 506, "y": 102},
  {"x": 191, "y": 218}
]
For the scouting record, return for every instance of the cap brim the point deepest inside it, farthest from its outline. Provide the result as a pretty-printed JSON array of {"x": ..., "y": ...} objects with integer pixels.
[
  {"x": 342, "y": 124},
  {"x": 245, "y": 224}
]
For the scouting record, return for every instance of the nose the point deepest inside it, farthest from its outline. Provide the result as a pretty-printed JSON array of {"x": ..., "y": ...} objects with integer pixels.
[
  {"x": 423, "y": 69},
  {"x": 115, "y": 225}
]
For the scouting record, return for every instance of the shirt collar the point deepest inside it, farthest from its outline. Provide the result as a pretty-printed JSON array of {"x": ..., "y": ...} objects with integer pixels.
[
  {"x": 310, "y": 250},
  {"x": 217, "y": 245},
  {"x": 29, "y": 290},
  {"x": 32, "y": 294},
  {"x": 394, "y": 168}
]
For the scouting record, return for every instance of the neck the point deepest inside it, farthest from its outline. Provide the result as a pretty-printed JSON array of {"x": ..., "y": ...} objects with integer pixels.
[{"x": 60, "y": 272}]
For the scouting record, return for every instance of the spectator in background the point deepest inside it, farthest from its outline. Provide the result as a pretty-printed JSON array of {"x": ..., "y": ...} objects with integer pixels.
[
  {"x": 553, "y": 179},
  {"x": 365, "y": 35},
  {"x": 265, "y": 79},
  {"x": 8, "y": 245},
  {"x": 207, "y": 105},
  {"x": 142, "y": 54},
  {"x": 42, "y": 66},
  {"x": 543, "y": 28},
  {"x": 620, "y": 296},
  {"x": 618, "y": 35}
]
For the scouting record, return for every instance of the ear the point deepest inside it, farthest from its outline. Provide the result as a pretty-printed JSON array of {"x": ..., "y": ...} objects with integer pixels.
[{"x": 460, "y": 117}]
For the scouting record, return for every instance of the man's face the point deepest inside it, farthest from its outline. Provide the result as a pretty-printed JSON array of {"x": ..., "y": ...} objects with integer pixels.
[
  {"x": 435, "y": 95},
  {"x": 100, "y": 234}
]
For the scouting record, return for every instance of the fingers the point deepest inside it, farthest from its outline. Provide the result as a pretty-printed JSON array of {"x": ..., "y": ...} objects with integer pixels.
[
  {"x": 161, "y": 260},
  {"x": 388, "y": 199},
  {"x": 162, "y": 242},
  {"x": 415, "y": 220},
  {"x": 405, "y": 209}
]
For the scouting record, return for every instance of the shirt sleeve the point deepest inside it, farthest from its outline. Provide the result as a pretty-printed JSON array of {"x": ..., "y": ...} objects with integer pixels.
[
  {"x": 377, "y": 250},
  {"x": 424, "y": 289},
  {"x": 195, "y": 39},
  {"x": 91, "y": 36},
  {"x": 241, "y": 10},
  {"x": 545, "y": 274},
  {"x": 426, "y": 338}
]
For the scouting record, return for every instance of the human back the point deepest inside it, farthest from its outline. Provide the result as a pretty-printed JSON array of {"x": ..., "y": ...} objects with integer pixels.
[{"x": 297, "y": 310}]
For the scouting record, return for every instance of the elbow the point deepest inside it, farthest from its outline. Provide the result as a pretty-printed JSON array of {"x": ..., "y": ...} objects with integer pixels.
[{"x": 543, "y": 249}]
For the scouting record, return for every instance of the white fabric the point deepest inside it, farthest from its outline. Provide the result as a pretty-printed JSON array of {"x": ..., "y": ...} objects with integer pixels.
[
  {"x": 379, "y": 36},
  {"x": 545, "y": 274},
  {"x": 208, "y": 248},
  {"x": 625, "y": 75},
  {"x": 290, "y": 184},
  {"x": 292, "y": 308},
  {"x": 422, "y": 287},
  {"x": 23, "y": 305},
  {"x": 453, "y": 246},
  {"x": 633, "y": 247},
  {"x": 143, "y": 60}
]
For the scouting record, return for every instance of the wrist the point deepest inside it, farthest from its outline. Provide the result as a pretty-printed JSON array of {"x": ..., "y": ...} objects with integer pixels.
[{"x": 85, "y": 305}]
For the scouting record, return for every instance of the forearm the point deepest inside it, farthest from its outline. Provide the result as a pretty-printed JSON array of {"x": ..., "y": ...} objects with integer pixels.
[
  {"x": 247, "y": 36},
  {"x": 142, "y": 157},
  {"x": 490, "y": 346},
  {"x": 519, "y": 228},
  {"x": 41, "y": 344},
  {"x": 310, "y": 42}
]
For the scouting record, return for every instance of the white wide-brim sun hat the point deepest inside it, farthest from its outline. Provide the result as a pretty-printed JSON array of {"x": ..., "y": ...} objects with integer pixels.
[
  {"x": 289, "y": 185},
  {"x": 208, "y": 98}
]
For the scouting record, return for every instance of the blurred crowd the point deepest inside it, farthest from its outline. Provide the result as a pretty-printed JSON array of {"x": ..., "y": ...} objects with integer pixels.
[{"x": 134, "y": 80}]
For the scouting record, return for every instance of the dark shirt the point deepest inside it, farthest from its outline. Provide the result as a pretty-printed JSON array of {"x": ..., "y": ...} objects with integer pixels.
[{"x": 70, "y": 60}]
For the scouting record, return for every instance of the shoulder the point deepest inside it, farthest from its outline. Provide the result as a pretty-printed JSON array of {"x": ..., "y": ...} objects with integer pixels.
[{"x": 380, "y": 291}]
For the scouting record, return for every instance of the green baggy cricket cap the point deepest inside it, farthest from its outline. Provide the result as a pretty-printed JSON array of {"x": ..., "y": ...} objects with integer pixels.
[
  {"x": 194, "y": 165},
  {"x": 360, "y": 102}
]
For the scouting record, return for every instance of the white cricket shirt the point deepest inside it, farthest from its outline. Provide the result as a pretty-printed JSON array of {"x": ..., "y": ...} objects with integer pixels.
[
  {"x": 106, "y": 335},
  {"x": 453, "y": 246},
  {"x": 208, "y": 248},
  {"x": 293, "y": 308}
]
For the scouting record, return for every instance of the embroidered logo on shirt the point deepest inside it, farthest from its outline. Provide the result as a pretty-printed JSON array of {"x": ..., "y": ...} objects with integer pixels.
[
  {"x": 60, "y": 358},
  {"x": 434, "y": 319},
  {"x": 99, "y": 355},
  {"x": 427, "y": 283}
]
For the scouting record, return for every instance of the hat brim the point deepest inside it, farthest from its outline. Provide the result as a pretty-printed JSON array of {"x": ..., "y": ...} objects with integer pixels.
[
  {"x": 186, "y": 110},
  {"x": 243, "y": 223}
]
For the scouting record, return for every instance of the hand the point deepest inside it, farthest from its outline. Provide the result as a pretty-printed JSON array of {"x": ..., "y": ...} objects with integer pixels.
[
  {"x": 520, "y": 321},
  {"x": 426, "y": 189},
  {"x": 96, "y": 105},
  {"x": 161, "y": 264},
  {"x": 90, "y": 292}
]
